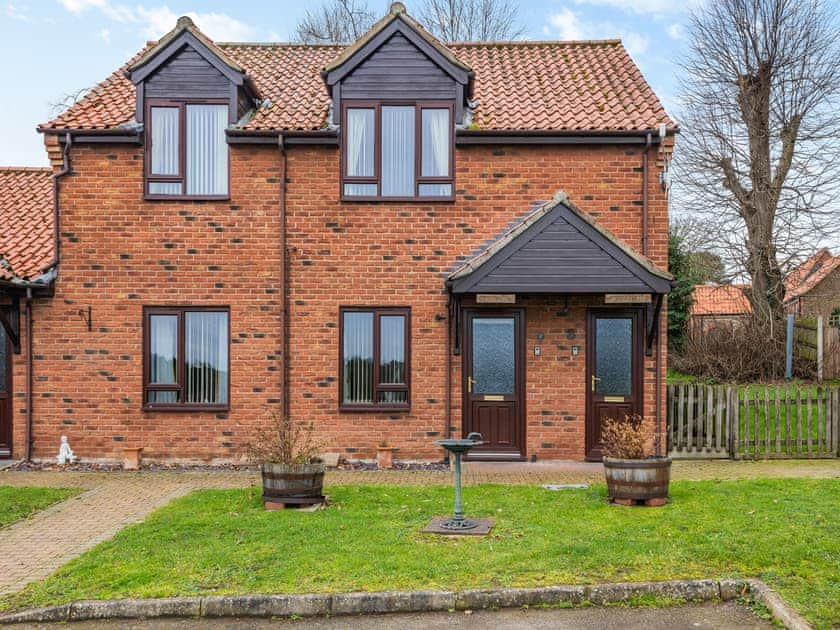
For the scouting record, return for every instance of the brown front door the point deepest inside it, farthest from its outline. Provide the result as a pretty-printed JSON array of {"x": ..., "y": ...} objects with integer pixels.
[
  {"x": 613, "y": 370},
  {"x": 5, "y": 395},
  {"x": 494, "y": 382}
]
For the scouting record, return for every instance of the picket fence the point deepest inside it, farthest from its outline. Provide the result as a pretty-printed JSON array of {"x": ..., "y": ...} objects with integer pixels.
[{"x": 753, "y": 422}]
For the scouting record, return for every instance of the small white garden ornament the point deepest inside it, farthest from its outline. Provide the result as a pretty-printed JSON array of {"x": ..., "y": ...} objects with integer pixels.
[{"x": 65, "y": 453}]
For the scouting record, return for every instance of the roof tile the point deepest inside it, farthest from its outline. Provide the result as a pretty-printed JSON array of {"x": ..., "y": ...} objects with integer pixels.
[{"x": 27, "y": 220}]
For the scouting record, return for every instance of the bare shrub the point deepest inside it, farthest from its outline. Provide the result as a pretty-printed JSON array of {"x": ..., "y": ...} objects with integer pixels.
[
  {"x": 750, "y": 350},
  {"x": 629, "y": 438},
  {"x": 284, "y": 441}
]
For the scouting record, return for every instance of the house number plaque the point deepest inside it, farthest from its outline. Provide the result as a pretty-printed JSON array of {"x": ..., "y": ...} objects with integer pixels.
[{"x": 495, "y": 298}]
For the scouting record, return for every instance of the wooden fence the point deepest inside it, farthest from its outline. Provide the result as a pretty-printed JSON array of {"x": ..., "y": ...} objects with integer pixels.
[{"x": 754, "y": 421}]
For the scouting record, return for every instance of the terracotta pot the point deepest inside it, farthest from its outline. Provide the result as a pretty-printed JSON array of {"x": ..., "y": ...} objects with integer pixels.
[
  {"x": 131, "y": 457},
  {"x": 637, "y": 479},
  {"x": 385, "y": 456},
  {"x": 303, "y": 482}
]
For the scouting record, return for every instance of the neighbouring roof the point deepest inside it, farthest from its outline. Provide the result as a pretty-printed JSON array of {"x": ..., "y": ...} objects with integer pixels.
[
  {"x": 535, "y": 86},
  {"x": 26, "y": 216},
  {"x": 558, "y": 248},
  {"x": 810, "y": 273},
  {"x": 721, "y": 299}
]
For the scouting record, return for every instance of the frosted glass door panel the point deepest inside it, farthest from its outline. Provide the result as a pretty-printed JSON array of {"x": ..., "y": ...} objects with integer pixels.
[{"x": 493, "y": 360}]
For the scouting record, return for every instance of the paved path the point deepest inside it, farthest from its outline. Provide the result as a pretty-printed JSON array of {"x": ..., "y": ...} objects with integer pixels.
[
  {"x": 32, "y": 549},
  {"x": 716, "y": 615}
]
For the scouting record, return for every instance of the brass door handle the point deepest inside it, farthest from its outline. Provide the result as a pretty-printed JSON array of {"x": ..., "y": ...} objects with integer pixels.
[
  {"x": 470, "y": 381},
  {"x": 595, "y": 379}
]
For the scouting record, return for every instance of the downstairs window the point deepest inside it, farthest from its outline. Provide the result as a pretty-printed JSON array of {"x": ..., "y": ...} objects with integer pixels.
[
  {"x": 375, "y": 371},
  {"x": 186, "y": 358}
]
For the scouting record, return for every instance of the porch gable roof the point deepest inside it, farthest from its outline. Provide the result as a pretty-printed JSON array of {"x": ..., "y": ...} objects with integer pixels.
[{"x": 559, "y": 249}]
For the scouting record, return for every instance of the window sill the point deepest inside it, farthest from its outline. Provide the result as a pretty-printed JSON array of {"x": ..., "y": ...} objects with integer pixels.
[
  {"x": 148, "y": 197},
  {"x": 186, "y": 407},
  {"x": 354, "y": 199},
  {"x": 374, "y": 408}
]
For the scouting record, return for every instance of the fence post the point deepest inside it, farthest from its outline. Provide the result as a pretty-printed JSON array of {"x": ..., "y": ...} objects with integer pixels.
[
  {"x": 789, "y": 348},
  {"x": 820, "y": 348}
]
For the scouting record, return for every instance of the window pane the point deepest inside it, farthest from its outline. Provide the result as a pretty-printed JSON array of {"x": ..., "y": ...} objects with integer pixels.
[
  {"x": 393, "y": 398},
  {"x": 360, "y": 143},
  {"x": 614, "y": 356},
  {"x": 165, "y": 140},
  {"x": 392, "y": 349},
  {"x": 493, "y": 355},
  {"x": 207, "y": 151},
  {"x": 206, "y": 360},
  {"x": 435, "y": 190},
  {"x": 358, "y": 358},
  {"x": 165, "y": 188},
  {"x": 397, "y": 151},
  {"x": 169, "y": 396},
  {"x": 435, "y": 143},
  {"x": 360, "y": 190},
  {"x": 163, "y": 348}
]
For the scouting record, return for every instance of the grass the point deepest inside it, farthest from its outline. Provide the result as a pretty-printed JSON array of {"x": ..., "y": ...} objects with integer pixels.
[
  {"x": 222, "y": 541},
  {"x": 20, "y": 502}
]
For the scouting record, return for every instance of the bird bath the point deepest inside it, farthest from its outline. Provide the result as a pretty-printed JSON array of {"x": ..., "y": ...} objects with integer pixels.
[{"x": 458, "y": 447}]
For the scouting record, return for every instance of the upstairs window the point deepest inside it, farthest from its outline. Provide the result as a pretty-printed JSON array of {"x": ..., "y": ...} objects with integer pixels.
[
  {"x": 186, "y": 150},
  {"x": 397, "y": 151},
  {"x": 186, "y": 358},
  {"x": 374, "y": 358}
]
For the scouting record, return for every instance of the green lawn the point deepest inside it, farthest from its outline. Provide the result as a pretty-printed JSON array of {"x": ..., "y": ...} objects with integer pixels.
[
  {"x": 19, "y": 502},
  {"x": 221, "y": 541}
]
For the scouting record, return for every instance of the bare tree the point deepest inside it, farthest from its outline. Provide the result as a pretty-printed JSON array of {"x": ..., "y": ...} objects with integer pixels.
[
  {"x": 472, "y": 20},
  {"x": 760, "y": 157},
  {"x": 66, "y": 101},
  {"x": 335, "y": 22},
  {"x": 342, "y": 21}
]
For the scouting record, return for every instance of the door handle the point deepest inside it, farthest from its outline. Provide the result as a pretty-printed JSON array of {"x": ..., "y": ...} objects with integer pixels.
[
  {"x": 595, "y": 379},
  {"x": 470, "y": 381}
]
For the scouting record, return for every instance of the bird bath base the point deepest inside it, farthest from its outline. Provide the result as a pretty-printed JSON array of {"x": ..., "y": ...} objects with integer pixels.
[{"x": 481, "y": 527}]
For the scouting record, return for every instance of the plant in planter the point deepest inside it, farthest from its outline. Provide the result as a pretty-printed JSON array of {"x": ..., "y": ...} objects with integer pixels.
[
  {"x": 634, "y": 475},
  {"x": 288, "y": 454},
  {"x": 385, "y": 455}
]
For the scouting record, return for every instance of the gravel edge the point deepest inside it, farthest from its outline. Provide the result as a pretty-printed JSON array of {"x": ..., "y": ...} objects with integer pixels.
[{"x": 318, "y": 604}]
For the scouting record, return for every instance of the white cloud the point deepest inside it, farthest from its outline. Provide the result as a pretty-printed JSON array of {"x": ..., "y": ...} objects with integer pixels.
[
  {"x": 675, "y": 31},
  {"x": 640, "y": 6},
  {"x": 569, "y": 25},
  {"x": 105, "y": 35},
  {"x": 156, "y": 21},
  {"x": 14, "y": 12}
]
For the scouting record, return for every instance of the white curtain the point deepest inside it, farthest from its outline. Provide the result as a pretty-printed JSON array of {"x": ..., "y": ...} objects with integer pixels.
[
  {"x": 358, "y": 358},
  {"x": 360, "y": 142},
  {"x": 397, "y": 151},
  {"x": 164, "y": 141},
  {"x": 435, "y": 143},
  {"x": 207, "y": 151},
  {"x": 163, "y": 344},
  {"x": 206, "y": 348}
]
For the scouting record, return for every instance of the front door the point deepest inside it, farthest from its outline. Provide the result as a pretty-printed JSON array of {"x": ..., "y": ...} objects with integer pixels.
[
  {"x": 5, "y": 395},
  {"x": 613, "y": 371},
  {"x": 493, "y": 385}
]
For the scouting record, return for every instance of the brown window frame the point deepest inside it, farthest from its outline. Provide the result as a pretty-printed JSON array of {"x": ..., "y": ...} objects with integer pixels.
[
  {"x": 180, "y": 384},
  {"x": 378, "y": 311},
  {"x": 418, "y": 151},
  {"x": 181, "y": 177}
]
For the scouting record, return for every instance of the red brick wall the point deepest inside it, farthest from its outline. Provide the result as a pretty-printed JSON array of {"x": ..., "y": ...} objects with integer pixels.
[{"x": 120, "y": 253}]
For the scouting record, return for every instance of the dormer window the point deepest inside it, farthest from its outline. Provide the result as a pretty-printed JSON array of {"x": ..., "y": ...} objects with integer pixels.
[
  {"x": 186, "y": 149},
  {"x": 397, "y": 151}
]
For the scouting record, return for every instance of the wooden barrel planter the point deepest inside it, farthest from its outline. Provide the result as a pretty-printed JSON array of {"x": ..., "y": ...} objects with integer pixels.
[
  {"x": 293, "y": 485},
  {"x": 634, "y": 481}
]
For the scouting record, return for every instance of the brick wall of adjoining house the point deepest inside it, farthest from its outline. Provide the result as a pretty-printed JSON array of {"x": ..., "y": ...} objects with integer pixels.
[
  {"x": 120, "y": 253},
  {"x": 821, "y": 299}
]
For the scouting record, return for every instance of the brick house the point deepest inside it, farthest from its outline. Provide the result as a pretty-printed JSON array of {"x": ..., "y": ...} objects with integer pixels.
[{"x": 369, "y": 237}]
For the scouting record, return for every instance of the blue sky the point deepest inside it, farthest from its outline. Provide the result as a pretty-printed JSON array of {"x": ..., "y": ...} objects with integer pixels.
[{"x": 52, "y": 48}]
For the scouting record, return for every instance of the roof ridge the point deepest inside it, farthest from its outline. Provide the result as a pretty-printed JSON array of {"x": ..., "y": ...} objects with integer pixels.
[
  {"x": 280, "y": 45},
  {"x": 537, "y": 42},
  {"x": 26, "y": 169}
]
